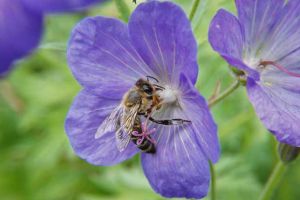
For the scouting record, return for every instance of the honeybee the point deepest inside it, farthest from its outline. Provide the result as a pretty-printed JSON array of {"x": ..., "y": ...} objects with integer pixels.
[{"x": 125, "y": 120}]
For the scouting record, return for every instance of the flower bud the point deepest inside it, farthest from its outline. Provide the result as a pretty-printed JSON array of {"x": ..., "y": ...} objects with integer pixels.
[{"x": 288, "y": 153}]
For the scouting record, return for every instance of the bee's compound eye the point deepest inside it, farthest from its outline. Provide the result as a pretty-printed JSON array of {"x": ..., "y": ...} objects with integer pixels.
[{"x": 147, "y": 88}]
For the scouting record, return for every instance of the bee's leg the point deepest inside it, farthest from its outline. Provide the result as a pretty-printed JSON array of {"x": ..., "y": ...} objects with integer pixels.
[
  {"x": 166, "y": 121},
  {"x": 170, "y": 121}
]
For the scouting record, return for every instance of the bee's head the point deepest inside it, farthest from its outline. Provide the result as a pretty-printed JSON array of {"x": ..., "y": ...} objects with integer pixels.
[{"x": 145, "y": 86}]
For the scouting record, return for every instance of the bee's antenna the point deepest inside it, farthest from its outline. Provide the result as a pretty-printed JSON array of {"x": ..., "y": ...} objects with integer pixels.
[
  {"x": 151, "y": 77},
  {"x": 159, "y": 87}
]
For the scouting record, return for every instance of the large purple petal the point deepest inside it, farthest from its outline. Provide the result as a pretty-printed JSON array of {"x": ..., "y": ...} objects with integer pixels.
[
  {"x": 20, "y": 32},
  {"x": 162, "y": 34},
  {"x": 59, "y": 5},
  {"x": 196, "y": 109},
  {"x": 102, "y": 58},
  {"x": 283, "y": 43},
  {"x": 258, "y": 19},
  {"x": 278, "y": 106},
  {"x": 85, "y": 116},
  {"x": 180, "y": 166},
  {"x": 226, "y": 36}
]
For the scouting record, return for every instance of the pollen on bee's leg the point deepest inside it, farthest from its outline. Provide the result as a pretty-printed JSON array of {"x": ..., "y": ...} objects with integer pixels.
[{"x": 279, "y": 67}]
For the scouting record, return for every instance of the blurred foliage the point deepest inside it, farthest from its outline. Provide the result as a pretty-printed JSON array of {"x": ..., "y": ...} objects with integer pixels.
[{"x": 37, "y": 161}]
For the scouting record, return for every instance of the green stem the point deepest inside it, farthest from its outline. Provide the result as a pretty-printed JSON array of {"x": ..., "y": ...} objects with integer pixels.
[
  {"x": 273, "y": 181},
  {"x": 123, "y": 9},
  {"x": 194, "y": 8},
  {"x": 213, "y": 182},
  {"x": 9, "y": 94},
  {"x": 224, "y": 94}
]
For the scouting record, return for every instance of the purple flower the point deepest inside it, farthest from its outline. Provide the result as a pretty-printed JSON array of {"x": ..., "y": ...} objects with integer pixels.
[
  {"x": 264, "y": 42},
  {"x": 59, "y": 5},
  {"x": 20, "y": 32},
  {"x": 108, "y": 57},
  {"x": 21, "y": 26}
]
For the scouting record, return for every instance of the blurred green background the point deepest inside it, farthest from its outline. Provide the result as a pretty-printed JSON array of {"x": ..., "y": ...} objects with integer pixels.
[{"x": 36, "y": 159}]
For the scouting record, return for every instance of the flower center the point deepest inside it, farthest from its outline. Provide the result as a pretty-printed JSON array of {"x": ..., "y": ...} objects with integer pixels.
[
  {"x": 168, "y": 95},
  {"x": 251, "y": 62}
]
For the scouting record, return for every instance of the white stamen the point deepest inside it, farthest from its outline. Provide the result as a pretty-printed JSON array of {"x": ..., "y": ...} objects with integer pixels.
[{"x": 168, "y": 95}]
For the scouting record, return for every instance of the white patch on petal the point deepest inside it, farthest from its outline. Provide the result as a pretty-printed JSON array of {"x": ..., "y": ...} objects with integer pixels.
[{"x": 168, "y": 95}]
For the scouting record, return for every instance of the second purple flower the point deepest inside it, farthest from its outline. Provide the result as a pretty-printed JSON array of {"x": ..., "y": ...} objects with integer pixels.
[{"x": 264, "y": 43}]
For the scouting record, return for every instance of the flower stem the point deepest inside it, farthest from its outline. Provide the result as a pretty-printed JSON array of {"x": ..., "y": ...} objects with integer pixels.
[
  {"x": 213, "y": 182},
  {"x": 123, "y": 9},
  {"x": 224, "y": 94},
  {"x": 194, "y": 8},
  {"x": 273, "y": 180},
  {"x": 10, "y": 96}
]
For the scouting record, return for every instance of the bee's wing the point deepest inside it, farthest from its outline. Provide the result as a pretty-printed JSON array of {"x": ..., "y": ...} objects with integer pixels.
[
  {"x": 111, "y": 123},
  {"x": 122, "y": 139},
  {"x": 123, "y": 134}
]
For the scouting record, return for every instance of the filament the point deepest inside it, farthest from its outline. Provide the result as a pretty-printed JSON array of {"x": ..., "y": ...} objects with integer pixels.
[{"x": 281, "y": 68}]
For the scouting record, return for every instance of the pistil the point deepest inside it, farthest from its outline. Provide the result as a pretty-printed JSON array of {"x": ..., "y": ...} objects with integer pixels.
[{"x": 145, "y": 134}]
